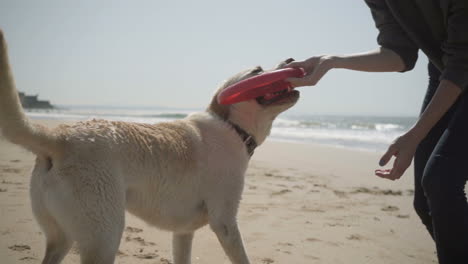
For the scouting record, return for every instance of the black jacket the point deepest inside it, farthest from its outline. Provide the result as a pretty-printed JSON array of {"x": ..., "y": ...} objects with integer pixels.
[{"x": 438, "y": 27}]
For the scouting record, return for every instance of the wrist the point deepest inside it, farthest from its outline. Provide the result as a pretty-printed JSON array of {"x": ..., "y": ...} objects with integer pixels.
[
  {"x": 333, "y": 61},
  {"x": 418, "y": 132}
]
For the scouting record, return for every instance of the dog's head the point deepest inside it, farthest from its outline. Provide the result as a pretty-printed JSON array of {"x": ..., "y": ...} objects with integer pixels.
[{"x": 255, "y": 116}]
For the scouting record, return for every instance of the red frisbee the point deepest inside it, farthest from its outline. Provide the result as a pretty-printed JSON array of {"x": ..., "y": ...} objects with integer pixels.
[{"x": 260, "y": 85}]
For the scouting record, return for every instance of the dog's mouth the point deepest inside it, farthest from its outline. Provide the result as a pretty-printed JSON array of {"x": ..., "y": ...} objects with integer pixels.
[{"x": 285, "y": 96}]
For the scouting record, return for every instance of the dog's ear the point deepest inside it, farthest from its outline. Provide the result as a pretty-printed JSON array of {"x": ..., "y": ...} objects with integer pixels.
[
  {"x": 222, "y": 111},
  {"x": 284, "y": 63}
]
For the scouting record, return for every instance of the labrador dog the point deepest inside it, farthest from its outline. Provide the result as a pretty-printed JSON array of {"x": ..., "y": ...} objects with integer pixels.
[{"x": 177, "y": 176}]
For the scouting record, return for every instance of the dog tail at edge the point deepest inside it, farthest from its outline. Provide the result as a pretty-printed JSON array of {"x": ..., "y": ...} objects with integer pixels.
[{"x": 14, "y": 125}]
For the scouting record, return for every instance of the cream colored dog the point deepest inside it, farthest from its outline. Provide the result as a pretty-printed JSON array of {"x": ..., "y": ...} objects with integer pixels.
[{"x": 177, "y": 176}]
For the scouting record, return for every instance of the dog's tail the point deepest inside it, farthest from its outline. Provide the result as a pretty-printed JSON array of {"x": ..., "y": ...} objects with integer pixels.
[{"x": 14, "y": 125}]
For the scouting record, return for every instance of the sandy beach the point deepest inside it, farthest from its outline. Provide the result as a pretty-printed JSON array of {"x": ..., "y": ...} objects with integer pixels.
[{"x": 302, "y": 203}]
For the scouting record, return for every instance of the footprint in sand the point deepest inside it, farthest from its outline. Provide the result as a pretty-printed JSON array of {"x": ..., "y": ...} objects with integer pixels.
[
  {"x": 267, "y": 260},
  {"x": 121, "y": 253},
  {"x": 15, "y": 161},
  {"x": 283, "y": 177},
  {"x": 335, "y": 224},
  {"x": 311, "y": 257},
  {"x": 300, "y": 187},
  {"x": 320, "y": 185},
  {"x": 376, "y": 191},
  {"x": 281, "y": 192},
  {"x": 146, "y": 255},
  {"x": 28, "y": 258},
  {"x": 10, "y": 182},
  {"x": 3, "y": 190},
  {"x": 390, "y": 208},
  {"x": 311, "y": 239},
  {"x": 24, "y": 221},
  {"x": 139, "y": 240},
  {"x": 340, "y": 194},
  {"x": 165, "y": 261},
  {"x": 356, "y": 237},
  {"x": 133, "y": 229},
  {"x": 315, "y": 240},
  {"x": 402, "y": 216},
  {"x": 11, "y": 170},
  {"x": 19, "y": 247},
  {"x": 312, "y": 209}
]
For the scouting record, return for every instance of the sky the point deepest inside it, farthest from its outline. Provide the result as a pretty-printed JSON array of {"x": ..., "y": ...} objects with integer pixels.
[{"x": 176, "y": 53}]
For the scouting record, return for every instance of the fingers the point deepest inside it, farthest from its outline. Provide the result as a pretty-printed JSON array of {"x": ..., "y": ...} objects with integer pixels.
[
  {"x": 394, "y": 173},
  {"x": 398, "y": 169},
  {"x": 297, "y": 82},
  {"x": 284, "y": 64},
  {"x": 315, "y": 69},
  {"x": 308, "y": 80},
  {"x": 295, "y": 64},
  {"x": 383, "y": 173},
  {"x": 387, "y": 173},
  {"x": 387, "y": 156},
  {"x": 403, "y": 148},
  {"x": 289, "y": 60}
]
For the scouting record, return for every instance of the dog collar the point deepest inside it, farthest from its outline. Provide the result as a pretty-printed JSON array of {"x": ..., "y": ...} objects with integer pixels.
[{"x": 249, "y": 140}]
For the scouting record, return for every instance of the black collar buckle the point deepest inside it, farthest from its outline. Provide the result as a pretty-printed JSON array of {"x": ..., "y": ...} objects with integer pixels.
[{"x": 249, "y": 140}]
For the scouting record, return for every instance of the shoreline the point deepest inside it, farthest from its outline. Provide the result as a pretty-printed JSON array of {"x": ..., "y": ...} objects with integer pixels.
[
  {"x": 51, "y": 121},
  {"x": 302, "y": 203},
  {"x": 369, "y": 133}
]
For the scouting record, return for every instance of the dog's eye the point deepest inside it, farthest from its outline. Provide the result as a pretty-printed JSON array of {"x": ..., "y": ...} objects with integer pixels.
[{"x": 257, "y": 69}]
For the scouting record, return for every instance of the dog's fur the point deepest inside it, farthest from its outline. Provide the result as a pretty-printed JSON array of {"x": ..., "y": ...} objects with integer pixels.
[{"x": 177, "y": 176}]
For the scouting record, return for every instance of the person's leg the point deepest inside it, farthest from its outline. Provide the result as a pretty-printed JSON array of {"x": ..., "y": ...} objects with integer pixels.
[
  {"x": 444, "y": 181},
  {"x": 425, "y": 149}
]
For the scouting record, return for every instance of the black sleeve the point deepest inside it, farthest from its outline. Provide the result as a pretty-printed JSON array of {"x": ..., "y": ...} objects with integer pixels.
[
  {"x": 391, "y": 35},
  {"x": 455, "y": 48}
]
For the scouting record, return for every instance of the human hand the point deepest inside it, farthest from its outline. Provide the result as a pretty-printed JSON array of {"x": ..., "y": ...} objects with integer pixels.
[
  {"x": 403, "y": 148},
  {"x": 314, "y": 67}
]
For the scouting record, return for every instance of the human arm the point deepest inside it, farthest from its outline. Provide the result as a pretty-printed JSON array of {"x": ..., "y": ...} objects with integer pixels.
[
  {"x": 379, "y": 60},
  {"x": 404, "y": 147},
  {"x": 397, "y": 51},
  {"x": 454, "y": 80},
  {"x": 455, "y": 47}
]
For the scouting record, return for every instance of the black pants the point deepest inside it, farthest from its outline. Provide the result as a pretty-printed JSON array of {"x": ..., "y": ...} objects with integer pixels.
[{"x": 441, "y": 172}]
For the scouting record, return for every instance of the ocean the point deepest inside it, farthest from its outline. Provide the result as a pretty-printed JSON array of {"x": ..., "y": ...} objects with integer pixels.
[{"x": 368, "y": 133}]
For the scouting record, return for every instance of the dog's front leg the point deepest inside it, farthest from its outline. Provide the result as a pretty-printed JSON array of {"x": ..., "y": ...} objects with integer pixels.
[
  {"x": 182, "y": 247},
  {"x": 230, "y": 238},
  {"x": 222, "y": 219}
]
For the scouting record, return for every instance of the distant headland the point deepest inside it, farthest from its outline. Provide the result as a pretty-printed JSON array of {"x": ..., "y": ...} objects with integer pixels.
[{"x": 31, "y": 101}]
